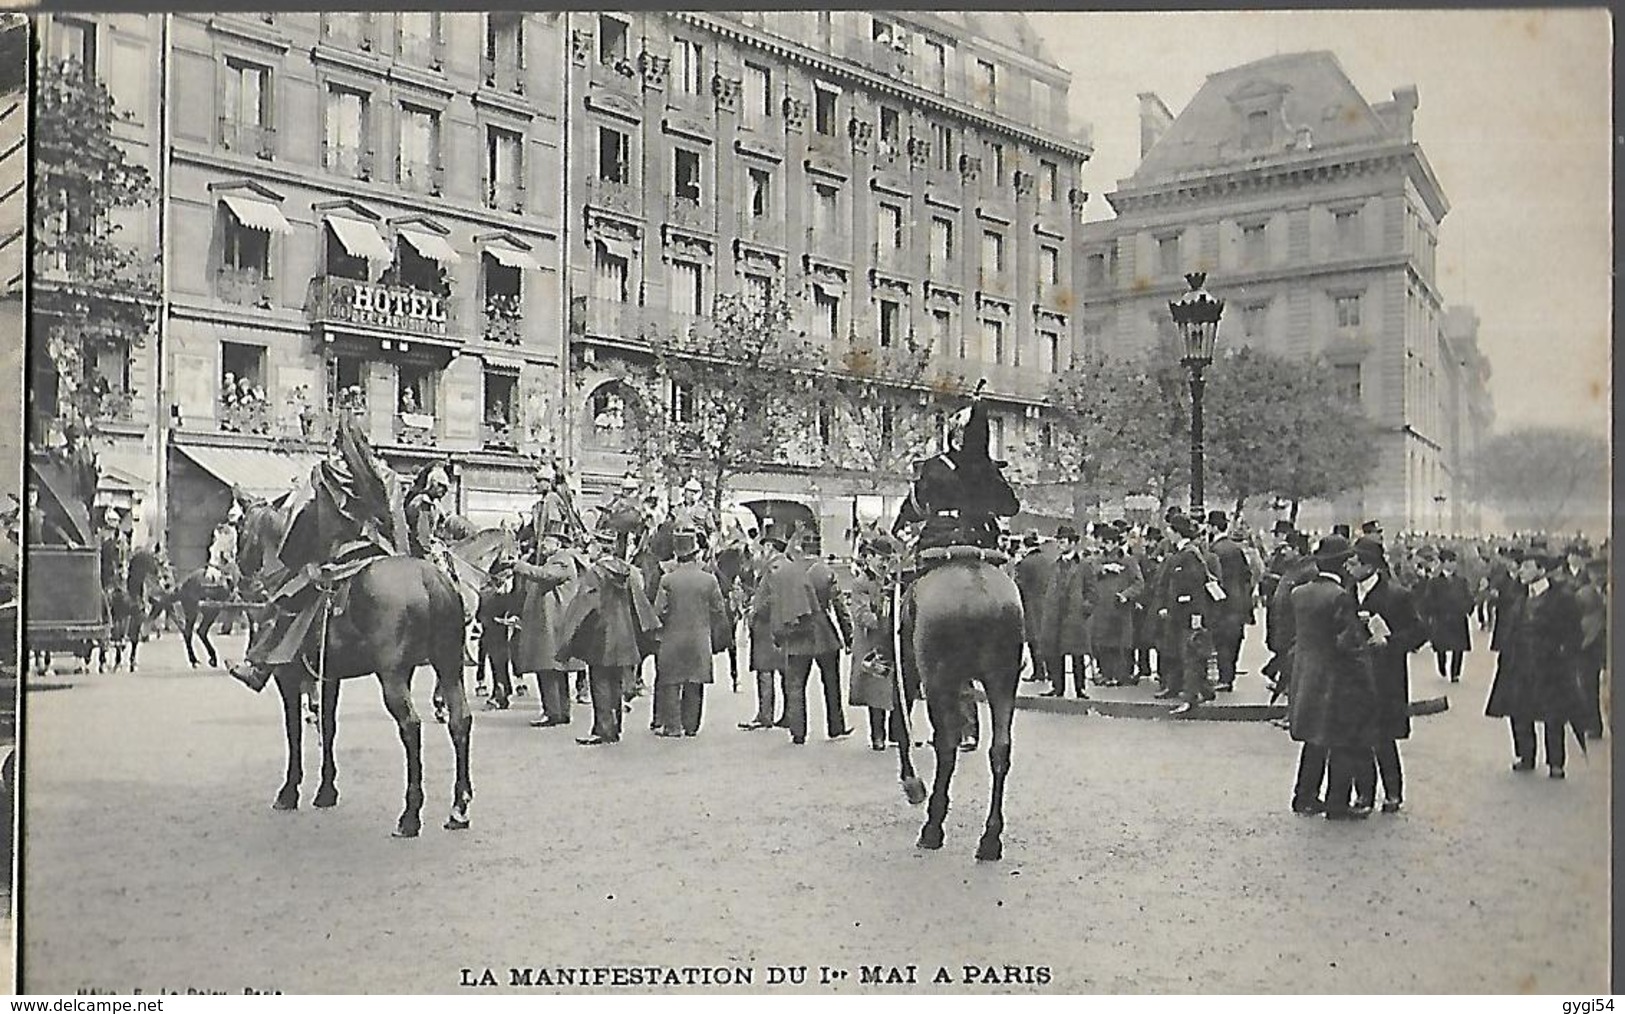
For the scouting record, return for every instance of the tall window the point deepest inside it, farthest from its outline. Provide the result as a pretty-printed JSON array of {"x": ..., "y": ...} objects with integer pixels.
[
  {"x": 418, "y": 31},
  {"x": 889, "y": 228},
  {"x": 1048, "y": 177},
  {"x": 1255, "y": 321},
  {"x": 420, "y": 149},
  {"x": 687, "y": 74},
  {"x": 1259, "y": 129},
  {"x": 941, "y": 329},
  {"x": 824, "y": 103},
  {"x": 891, "y": 131},
  {"x": 761, "y": 193},
  {"x": 241, "y": 364},
  {"x": 75, "y": 41},
  {"x": 687, "y": 288},
  {"x": 1168, "y": 255},
  {"x": 1348, "y": 311},
  {"x": 1041, "y": 103},
  {"x": 1096, "y": 269},
  {"x": 1347, "y": 230},
  {"x": 248, "y": 93},
  {"x": 500, "y": 397},
  {"x": 345, "y": 133},
  {"x": 504, "y": 50},
  {"x": 504, "y": 298},
  {"x": 504, "y": 170},
  {"x": 826, "y": 314},
  {"x": 942, "y": 146},
  {"x": 1254, "y": 251},
  {"x": 686, "y": 175},
  {"x": 995, "y": 161},
  {"x": 758, "y": 289},
  {"x": 992, "y": 254},
  {"x": 416, "y": 389},
  {"x": 610, "y": 271},
  {"x": 244, "y": 250},
  {"x": 614, "y": 155},
  {"x": 758, "y": 95},
  {"x": 993, "y": 339},
  {"x": 613, "y": 36},
  {"x": 891, "y": 322},
  {"x": 1049, "y": 265},
  {"x": 1049, "y": 347},
  {"x": 936, "y": 67},
  {"x": 942, "y": 243},
  {"x": 824, "y": 209},
  {"x": 987, "y": 85}
]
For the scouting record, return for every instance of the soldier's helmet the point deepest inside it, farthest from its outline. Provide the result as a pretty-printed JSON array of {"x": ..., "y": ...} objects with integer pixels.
[{"x": 956, "y": 429}]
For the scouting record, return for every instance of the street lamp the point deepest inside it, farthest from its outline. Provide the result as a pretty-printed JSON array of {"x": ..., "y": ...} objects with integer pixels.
[{"x": 1196, "y": 314}]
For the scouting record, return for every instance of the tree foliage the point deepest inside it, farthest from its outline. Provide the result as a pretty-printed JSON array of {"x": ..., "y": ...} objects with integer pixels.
[
  {"x": 1544, "y": 478},
  {"x": 91, "y": 289},
  {"x": 738, "y": 386}
]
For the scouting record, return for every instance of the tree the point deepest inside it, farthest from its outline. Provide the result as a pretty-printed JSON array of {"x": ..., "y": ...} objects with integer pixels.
[
  {"x": 91, "y": 292},
  {"x": 1544, "y": 478},
  {"x": 738, "y": 385}
]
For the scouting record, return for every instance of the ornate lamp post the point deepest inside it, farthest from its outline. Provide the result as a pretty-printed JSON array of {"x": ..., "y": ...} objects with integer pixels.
[{"x": 1196, "y": 314}]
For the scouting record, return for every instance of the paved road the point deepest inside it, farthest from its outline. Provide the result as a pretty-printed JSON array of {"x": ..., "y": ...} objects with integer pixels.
[{"x": 1140, "y": 856}]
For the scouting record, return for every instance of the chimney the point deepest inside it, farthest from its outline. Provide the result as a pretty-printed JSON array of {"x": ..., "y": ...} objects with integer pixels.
[
  {"x": 1154, "y": 121},
  {"x": 1402, "y": 113}
]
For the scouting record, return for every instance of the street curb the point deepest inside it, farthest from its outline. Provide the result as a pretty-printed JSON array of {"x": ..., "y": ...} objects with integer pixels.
[{"x": 1154, "y": 710}]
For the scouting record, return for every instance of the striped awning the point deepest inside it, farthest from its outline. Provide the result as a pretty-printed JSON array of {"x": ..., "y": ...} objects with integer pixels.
[
  {"x": 508, "y": 257},
  {"x": 431, "y": 246},
  {"x": 361, "y": 239},
  {"x": 253, "y": 214},
  {"x": 261, "y": 473}
]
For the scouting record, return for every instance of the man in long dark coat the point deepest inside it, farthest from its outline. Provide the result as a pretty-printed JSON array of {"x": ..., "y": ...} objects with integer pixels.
[
  {"x": 1118, "y": 591},
  {"x": 791, "y": 606},
  {"x": 819, "y": 641},
  {"x": 1068, "y": 602},
  {"x": 1296, "y": 567},
  {"x": 1147, "y": 551},
  {"x": 693, "y": 625},
  {"x": 609, "y": 625},
  {"x": 765, "y": 614},
  {"x": 1188, "y": 610},
  {"x": 1332, "y": 709},
  {"x": 1592, "y": 599},
  {"x": 1536, "y": 678},
  {"x": 1446, "y": 601},
  {"x": 1231, "y": 616},
  {"x": 545, "y": 590},
  {"x": 1032, "y": 574},
  {"x": 498, "y": 602},
  {"x": 1379, "y": 595}
]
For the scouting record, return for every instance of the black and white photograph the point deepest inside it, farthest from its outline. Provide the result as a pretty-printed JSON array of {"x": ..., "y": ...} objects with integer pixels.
[{"x": 451, "y": 442}]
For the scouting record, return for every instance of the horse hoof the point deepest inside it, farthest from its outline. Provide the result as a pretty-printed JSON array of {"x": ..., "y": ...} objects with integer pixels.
[
  {"x": 285, "y": 804},
  {"x": 404, "y": 832},
  {"x": 930, "y": 839},
  {"x": 326, "y": 799},
  {"x": 453, "y": 824},
  {"x": 990, "y": 850},
  {"x": 914, "y": 790}
]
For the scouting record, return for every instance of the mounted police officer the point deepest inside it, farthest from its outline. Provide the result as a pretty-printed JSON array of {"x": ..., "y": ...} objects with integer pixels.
[{"x": 960, "y": 494}]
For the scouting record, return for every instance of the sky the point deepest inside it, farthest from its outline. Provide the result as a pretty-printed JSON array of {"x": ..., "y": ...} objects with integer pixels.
[{"x": 1514, "y": 118}]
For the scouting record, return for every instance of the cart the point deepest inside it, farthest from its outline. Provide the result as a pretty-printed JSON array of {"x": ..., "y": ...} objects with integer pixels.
[{"x": 64, "y": 609}]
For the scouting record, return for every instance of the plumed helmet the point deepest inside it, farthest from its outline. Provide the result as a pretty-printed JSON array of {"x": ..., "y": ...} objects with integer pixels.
[
  {"x": 956, "y": 427},
  {"x": 110, "y": 518},
  {"x": 437, "y": 477},
  {"x": 693, "y": 486}
]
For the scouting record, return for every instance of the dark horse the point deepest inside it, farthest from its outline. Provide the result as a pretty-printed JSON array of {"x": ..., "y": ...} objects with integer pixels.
[
  {"x": 130, "y": 604},
  {"x": 966, "y": 626},
  {"x": 200, "y": 596},
  {"x": 401, "y": 612}
]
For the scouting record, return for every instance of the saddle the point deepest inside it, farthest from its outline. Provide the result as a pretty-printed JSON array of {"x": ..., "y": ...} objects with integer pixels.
[{"x": 936, "y": 556}]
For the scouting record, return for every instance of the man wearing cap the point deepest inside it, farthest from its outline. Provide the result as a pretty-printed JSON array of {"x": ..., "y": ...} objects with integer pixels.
[
  {"x": 693, "y": 624},
  {"x": 1378, "y": 595},
  {"x": 1117, "y": 594},
  {"x": 545, "y": 589},
  {"x": 766, "y": 657},
  {"x": 819, "y": 640},
  {"x": 1235, "y": 610},
  {"x": 1372, "y": 530},
  {"x": 1332, "y": 709},
  {"x": 624, "y": 515},
  {"x": 610, "y": 625},
  {"x": 1033, "y": 573},
  {"x": 1536, "y": 679},
  {"x": 495, "y": 614},
  {"x": 874, "y": 653},
  {"x": 1068, "y": 602},
  {"x": 1191, "y": 594},
  {"x": 960, "y": 494},
  {"x": 1446, "y": 601}
]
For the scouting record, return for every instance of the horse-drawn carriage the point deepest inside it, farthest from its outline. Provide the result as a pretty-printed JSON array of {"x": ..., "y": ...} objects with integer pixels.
[{"x": 65, "y": 609}]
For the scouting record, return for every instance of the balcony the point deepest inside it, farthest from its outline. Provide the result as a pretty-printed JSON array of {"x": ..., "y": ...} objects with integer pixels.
[
  {"x": 499, "y": 435},
  {"x": 503, "y": 74},
  {"x": 620, "y": 322},
  {"x": 242, "y": 287},
  {"x": 348, "y": 160},
  {"x": 614, "y": 195},
  {"x": 372, "y": 305},
  {"x": 420, "y": 176},
  {"x": 505, "y": 197},
  {"x": 251, "y": 139},
  {"x": 245, "y": 415},
  {"x": 686, "y": 213},
  {"x": 504, "y": 320},
  {"x": 414, "y": 429}
]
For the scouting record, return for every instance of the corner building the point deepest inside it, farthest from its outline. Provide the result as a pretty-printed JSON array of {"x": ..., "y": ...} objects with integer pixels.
[
  {"x": 1316, "y": 215},
  {"x": 890, "y": 173}
]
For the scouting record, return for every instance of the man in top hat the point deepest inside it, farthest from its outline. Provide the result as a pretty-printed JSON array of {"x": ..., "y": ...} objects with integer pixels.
[
  {"x": 1342, "y": 531},
  {"x": 960, "y": 494},
  {"x": 1234, "y": 611},
  {"x": 1190, "y": 596},
  {"x": 1446, "y": 601},
  {"x": 1147, "y": 549},
  {"x": 1032, "y": 575},
  {"x": 610, "y": 625},
  {"x": 1118, "y": 590},
  {"x": 772, "y": 601},
  {"x": 1068, "y": 602},
  {"x": 1537, "y": 678},
  {"x": 1377, "y": 595},
  {"x": 1297, "y": 565},
  {"x": 545, "y": 589},
  {"x": 693, "y": 625},
  {"x": 1333, "y": 704}
]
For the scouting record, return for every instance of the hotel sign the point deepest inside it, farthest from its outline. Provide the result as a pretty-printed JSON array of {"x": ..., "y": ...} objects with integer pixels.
[{"x": 385, "y": 307}]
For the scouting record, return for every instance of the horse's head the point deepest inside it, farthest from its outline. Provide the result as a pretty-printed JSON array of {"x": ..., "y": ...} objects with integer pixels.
[{"x": 259, "y": 532}]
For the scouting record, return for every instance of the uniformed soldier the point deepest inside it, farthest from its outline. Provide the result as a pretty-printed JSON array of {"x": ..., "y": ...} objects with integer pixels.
[{"x": 960, "y": 494}]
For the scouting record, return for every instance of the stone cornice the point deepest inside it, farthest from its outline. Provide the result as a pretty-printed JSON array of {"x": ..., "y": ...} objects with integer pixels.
[
  {"x": 795, "y": 53},
  {"x": 1162, "y": 289}
]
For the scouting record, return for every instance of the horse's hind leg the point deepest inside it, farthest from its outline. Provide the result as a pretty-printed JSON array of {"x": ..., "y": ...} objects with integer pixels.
[
  {"x": 204, "y": 623},
  {"x": 946, "y": 720},
  {"x": 397, "y": 688},
  {"x": 287, "y": 684},
  {"x": 328, "y": 794},
  {"x": 460, "y": 723},
  {"x": 1001, "y": 700}
]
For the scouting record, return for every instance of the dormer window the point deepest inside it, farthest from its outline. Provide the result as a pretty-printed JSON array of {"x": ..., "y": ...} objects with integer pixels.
[{"x": 1260, "y": 130}]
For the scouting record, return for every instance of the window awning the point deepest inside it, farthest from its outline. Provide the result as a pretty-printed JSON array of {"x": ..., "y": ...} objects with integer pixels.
[
  {"x": 253, "y": 214},
  {"x": 615, "y": 247},
  {"x": 832, "y": 289},
  {"x": 431, "y": 246},
  {"x": 361, "y": 239},
  {"x": 508, "y": 257},
  {"x": 265, "y": 474}
]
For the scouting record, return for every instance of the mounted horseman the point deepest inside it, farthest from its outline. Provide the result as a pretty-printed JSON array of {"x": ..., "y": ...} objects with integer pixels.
[
  {"x": 425, "y": 514},
  {"x": 960, "y": 620}
]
